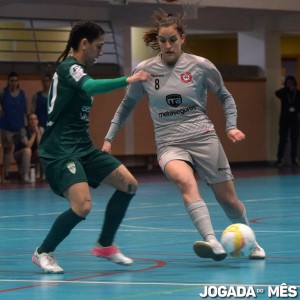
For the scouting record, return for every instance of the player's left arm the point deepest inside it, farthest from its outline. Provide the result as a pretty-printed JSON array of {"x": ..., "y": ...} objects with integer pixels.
[{"x": 216, "y": 85}]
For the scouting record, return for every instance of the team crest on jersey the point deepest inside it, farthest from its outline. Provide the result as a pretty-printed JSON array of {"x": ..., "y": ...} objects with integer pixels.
[
  {"x": 186, "y": 77},
  {"x": 174, "y": 100},
  {"x": 77, "y": 72},
  {"x": 72, "y": 167}
]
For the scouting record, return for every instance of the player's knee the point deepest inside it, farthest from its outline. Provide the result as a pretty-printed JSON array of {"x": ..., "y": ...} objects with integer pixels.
[
  {"x": 183, "y": 184},
  {"x": 84, "y": 208},
  {"x": 132, "y": 186}
]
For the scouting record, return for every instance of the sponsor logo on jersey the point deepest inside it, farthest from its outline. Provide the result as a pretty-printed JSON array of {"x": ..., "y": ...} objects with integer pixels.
[
  {"x": 77, "y": 72},
  {"x": 186, "y": 77},
  {"x": 157, "y": 76},
  {"x": 84, "y": 114},
  {"x": 177, "y": 112},
  {"x": 72, "y": 167},
  {"x": 223, "y": 169},
  {"x": 174, "y": 100}
]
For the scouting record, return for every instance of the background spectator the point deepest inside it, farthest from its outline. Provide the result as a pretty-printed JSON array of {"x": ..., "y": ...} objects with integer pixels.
[
  {"x": 26, "y": 147},
  {"x": 39, "y": 101},
  {"x": 289, "y": 96},
  {"x": 13, "y": 115}
]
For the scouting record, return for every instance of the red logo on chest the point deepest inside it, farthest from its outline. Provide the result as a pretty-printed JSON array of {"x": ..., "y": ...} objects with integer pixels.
[{"x": 186, "y": 77}]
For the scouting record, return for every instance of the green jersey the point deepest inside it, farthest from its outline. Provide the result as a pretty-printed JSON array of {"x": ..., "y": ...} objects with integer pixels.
[{"x": 67, "y": 130}]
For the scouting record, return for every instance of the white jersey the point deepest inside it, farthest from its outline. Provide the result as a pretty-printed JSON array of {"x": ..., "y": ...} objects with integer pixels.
[{"x": 177, "y": 98}]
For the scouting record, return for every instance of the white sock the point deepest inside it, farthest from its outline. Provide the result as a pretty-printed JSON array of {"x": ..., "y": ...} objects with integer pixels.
[
  {"x": 242, "y": 219},
  {"x": 199, "y": 215}
]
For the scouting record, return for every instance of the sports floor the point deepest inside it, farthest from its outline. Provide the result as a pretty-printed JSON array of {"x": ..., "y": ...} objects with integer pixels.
[{"x": 158, "y": 234}]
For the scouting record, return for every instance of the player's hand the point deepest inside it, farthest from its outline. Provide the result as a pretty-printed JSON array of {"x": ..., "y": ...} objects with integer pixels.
[
  {"x": 138, "y": 76},
  {"x": 106, "y": 147},
  {"x": 235, "y": 135}
]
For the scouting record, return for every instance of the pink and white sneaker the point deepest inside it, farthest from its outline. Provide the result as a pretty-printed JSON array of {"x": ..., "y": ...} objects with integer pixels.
[{"x": 112, "y": 253}]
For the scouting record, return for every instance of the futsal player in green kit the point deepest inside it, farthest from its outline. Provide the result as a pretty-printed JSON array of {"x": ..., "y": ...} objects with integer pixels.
[
  {"x": 185, "y": 137},
  {"x": 70, "y": 161}
]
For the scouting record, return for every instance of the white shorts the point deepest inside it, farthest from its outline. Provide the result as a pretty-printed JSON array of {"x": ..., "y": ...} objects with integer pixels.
[{"x": 204, "y": 153}]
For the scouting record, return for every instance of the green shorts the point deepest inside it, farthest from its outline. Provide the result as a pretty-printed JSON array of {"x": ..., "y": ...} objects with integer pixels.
[{"x": 91, "y": 168}]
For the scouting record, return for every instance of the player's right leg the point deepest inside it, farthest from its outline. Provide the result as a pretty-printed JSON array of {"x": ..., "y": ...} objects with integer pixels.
[
  {"x": 182, "y": 174},
  {"x": 66, "y": 178}
]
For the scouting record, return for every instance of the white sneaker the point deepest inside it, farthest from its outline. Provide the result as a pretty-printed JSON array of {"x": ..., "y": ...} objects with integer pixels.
[
  {"x": 112, "y": 253},
  {"x": 257, "y": 252},
  {"x": 47, "y": 262},
  {"x": 211, "y": 249}
]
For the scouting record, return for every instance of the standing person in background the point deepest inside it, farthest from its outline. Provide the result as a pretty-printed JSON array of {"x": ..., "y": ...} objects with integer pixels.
[
  {"x": 26, "y": 147},
  {"x": 71, "y": 162},
  {"x": 289, "y": 96},
  {"x": 39, "y": 101},
  {"x": 13, "y": 115},
  {"x": 185, "y": 137}
]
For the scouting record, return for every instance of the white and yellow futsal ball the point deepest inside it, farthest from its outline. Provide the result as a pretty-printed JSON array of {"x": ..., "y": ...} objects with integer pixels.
[{"x": 238, "y": 239}]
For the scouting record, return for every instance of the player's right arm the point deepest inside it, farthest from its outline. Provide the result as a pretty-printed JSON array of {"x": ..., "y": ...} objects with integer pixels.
[
  {"x": 134, "y": 93},
  {"x": 100, "y": 86},
  {"x": 121, "y": 115}
]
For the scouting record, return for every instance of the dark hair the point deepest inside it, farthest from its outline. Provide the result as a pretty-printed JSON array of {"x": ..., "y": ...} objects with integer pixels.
[
  {"x": 290, "y": 78},
  {"x": 162, "y": 19},
  {"x": 85, "y": 29},
  {"x": 12, "y": 74}
]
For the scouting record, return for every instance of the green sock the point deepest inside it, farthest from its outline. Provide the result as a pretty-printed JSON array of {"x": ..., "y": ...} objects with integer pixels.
[
  {"x": 114, "y": 214},
  {"x": 60, "y": 229}
]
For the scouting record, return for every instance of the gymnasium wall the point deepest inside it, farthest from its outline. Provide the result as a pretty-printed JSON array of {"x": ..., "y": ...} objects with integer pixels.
[{"x": 249, "y": 96}]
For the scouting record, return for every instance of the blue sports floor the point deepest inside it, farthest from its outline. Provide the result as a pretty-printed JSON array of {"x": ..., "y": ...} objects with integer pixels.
[{"x": 158, "y": 234}]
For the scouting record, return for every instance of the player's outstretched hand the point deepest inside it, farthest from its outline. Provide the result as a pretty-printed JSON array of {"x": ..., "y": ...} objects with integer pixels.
[
  {"x": 235, "y": 135},
  {"x": 106, "y": 147},
  {"x": 138, "y": 76}
]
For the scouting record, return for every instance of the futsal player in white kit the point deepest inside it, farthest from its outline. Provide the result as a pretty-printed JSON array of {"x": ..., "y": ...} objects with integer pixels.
[{"x": 185, "y": 137}]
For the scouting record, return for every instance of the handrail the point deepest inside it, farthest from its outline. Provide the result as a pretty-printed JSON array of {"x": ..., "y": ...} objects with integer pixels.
[{"x": 43, "y": 42}]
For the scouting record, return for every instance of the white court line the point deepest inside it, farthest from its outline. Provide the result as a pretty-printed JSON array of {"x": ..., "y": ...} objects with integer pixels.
[
  {"x": 139, "y": 283},
  {"x": 153, "y": 206},
  {"x": 145, "y": 229},
  {"x": 146, "y": 207}
]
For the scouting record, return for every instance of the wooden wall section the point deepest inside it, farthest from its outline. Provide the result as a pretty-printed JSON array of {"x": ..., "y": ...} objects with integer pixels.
[
  {"x": 252, "y": 116},
  {"x": 250, "y": 99}
]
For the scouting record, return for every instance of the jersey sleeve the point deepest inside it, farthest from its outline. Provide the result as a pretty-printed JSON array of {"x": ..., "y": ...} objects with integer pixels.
[
  {"x": 74, "y": 74},
  {"x": 100, "y": 86},
  {"x": 134, "y": 93},
  {"x": 122, "y": 113},
  {"x": 214, "y": 82}
]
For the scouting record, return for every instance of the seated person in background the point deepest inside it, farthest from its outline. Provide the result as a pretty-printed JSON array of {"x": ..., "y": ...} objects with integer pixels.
[
  {"x": 39, "y": 101},
  {"x": 26, "y": 146}
]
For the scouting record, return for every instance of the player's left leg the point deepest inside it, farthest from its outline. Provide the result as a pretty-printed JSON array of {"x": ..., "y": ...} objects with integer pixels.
[
  {"x": 126, "y": 186},
  {"x": 234, "y": 210}
]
